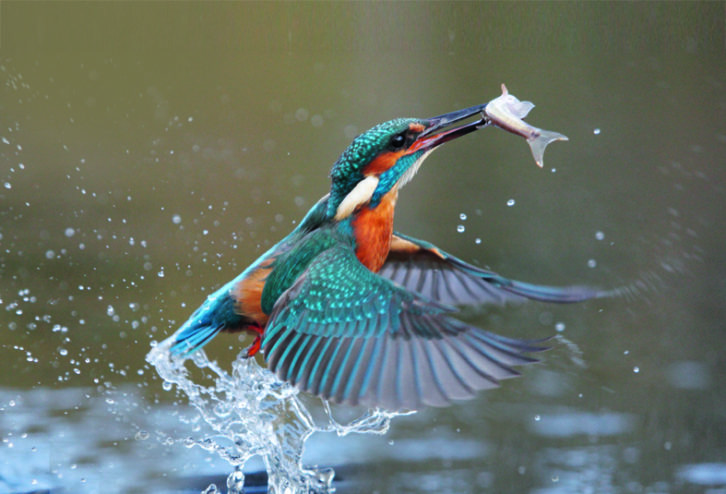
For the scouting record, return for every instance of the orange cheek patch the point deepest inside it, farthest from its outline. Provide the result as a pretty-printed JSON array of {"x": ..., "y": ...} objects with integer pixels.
[{"x": 382, "y": 162}]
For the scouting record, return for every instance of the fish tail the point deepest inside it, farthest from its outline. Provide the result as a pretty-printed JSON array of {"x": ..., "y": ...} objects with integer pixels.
[{"x": 539, "y": 141}]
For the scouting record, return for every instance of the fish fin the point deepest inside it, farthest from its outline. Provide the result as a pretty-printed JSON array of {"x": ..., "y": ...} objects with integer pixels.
[
  {"x": 521, "y": 108},
  {"x": 539, "y": 141}
]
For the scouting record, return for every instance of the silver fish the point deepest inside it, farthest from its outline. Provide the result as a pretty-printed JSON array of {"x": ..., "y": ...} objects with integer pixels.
[{"x": 507, "y": 112}]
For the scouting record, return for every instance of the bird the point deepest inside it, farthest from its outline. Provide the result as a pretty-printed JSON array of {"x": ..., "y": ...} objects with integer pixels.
[{"x": 347, "y": 309}]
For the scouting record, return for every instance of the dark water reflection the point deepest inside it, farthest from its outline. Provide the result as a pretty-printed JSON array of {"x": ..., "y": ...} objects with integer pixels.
[{"x": 150, "y": 151}]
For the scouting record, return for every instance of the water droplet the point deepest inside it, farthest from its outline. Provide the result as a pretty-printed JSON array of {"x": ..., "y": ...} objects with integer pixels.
[
  {"x": 236, "y": 481},
  {"x": 70, "y": 232},
  {"x": 462, "y": 216},
  {"x": 636, "y": 369},
  {"x": 477, "y": 240},
  {"x": 560, "y": 327},
  {"x": 511, "y": 202},
  {"x": 537, "y": 418},
  {"x": 301, "y": 114},
  {"x": 599, "y": 235},
  {"x": 591, "y": 263},
  {"x": 63, "y": 351},
  {"x": 50, "y": 254},
  {"x": 176, "y": 219},
  {"x": 461, "y": 228},
  {"x": 7, "y": 185},
  {"x": 141, "y": 435},
  {"x": 316, "y": 121},
  {"x": 596, "y": 131}
]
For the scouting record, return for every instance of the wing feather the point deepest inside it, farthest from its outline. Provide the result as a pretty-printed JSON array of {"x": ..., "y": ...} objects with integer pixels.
[
  {"x": 421, "y": 267},
  {"x": 369, "y": 341}
]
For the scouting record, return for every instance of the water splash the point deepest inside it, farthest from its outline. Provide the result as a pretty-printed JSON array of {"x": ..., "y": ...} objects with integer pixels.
[{"x": 249, "y": 412}]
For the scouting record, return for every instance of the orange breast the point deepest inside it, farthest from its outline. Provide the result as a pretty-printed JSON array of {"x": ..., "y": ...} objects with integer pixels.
[
  {"x": 373, "y": 229},
  {"x": 248, "y": 294}
]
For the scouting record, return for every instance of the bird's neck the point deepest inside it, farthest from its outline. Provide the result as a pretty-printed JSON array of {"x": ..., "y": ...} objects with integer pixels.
[{"x": 373, "y": 230}]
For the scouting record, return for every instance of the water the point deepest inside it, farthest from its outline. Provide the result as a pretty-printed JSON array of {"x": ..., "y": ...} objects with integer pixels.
[{"x": 248, "y": 412}]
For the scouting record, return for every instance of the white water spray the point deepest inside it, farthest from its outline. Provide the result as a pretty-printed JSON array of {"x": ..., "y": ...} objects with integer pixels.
[{"x": 249, "y": 412}]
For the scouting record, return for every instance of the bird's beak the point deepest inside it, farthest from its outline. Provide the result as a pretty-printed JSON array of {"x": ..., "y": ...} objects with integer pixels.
[{"x": 436, "y": 132}]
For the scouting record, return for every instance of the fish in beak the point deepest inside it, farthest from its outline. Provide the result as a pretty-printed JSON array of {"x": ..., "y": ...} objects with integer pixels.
[{"x": 507, "y": 112}]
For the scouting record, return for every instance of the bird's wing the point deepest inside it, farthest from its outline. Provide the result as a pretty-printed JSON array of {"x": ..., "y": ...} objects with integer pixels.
[
  {"x": 425, "y": 269},
  {"x": 348, "y": 335}
]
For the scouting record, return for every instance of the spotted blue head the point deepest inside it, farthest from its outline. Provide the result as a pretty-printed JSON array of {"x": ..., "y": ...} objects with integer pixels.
[{"x": 387, "y": 156}]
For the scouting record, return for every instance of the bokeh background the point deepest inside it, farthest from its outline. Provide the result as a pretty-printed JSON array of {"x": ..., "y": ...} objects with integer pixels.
[{"x": 150, "y": 150}]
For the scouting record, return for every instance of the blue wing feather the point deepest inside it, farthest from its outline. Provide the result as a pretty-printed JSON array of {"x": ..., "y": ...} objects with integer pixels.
[
  {"x": 391, "y": 348},
  {"x": 422, "y": 267}
]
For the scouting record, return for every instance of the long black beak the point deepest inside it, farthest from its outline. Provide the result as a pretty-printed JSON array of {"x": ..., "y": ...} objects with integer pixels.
[{"x": 434, "y": 135}]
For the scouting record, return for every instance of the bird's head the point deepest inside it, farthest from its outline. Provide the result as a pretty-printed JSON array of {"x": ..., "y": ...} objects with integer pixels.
[{"x": 388, "y": 156}]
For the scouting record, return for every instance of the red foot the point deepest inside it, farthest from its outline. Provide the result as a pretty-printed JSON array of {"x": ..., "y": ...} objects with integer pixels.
[{"x": 255, "y": 346}]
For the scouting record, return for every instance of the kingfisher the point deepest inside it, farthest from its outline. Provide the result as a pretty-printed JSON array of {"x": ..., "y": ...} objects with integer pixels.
[{"x": 348, "y": 309}]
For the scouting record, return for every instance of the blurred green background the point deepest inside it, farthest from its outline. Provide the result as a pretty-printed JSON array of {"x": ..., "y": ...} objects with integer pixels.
[{"x": 149, "y": 151}]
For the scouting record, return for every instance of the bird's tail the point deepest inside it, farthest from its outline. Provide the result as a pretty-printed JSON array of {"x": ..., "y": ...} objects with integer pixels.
[
  {"x": 193, "y": 335},
  {"x": 214, "y": 315}
]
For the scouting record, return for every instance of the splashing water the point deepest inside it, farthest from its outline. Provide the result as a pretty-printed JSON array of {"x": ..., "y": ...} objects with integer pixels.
[{"x": 249, "y": 412}]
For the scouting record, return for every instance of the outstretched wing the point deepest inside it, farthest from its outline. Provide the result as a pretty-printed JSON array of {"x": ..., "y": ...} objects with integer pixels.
[
  {"x": 425, "y": 269},
  {"x": 348, "y": 335}
]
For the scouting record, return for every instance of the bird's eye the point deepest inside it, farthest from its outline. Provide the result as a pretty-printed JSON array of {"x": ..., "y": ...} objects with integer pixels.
[{"x": 398, "y": 140}]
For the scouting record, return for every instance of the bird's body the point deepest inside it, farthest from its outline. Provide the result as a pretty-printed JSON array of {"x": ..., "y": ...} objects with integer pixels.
[{"x": 348, "y": 309}]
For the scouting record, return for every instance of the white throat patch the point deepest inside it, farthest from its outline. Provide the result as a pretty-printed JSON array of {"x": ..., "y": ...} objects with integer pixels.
[
  {"x": 361, "y": 194},
  {"x": 413, "y": 169}
]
